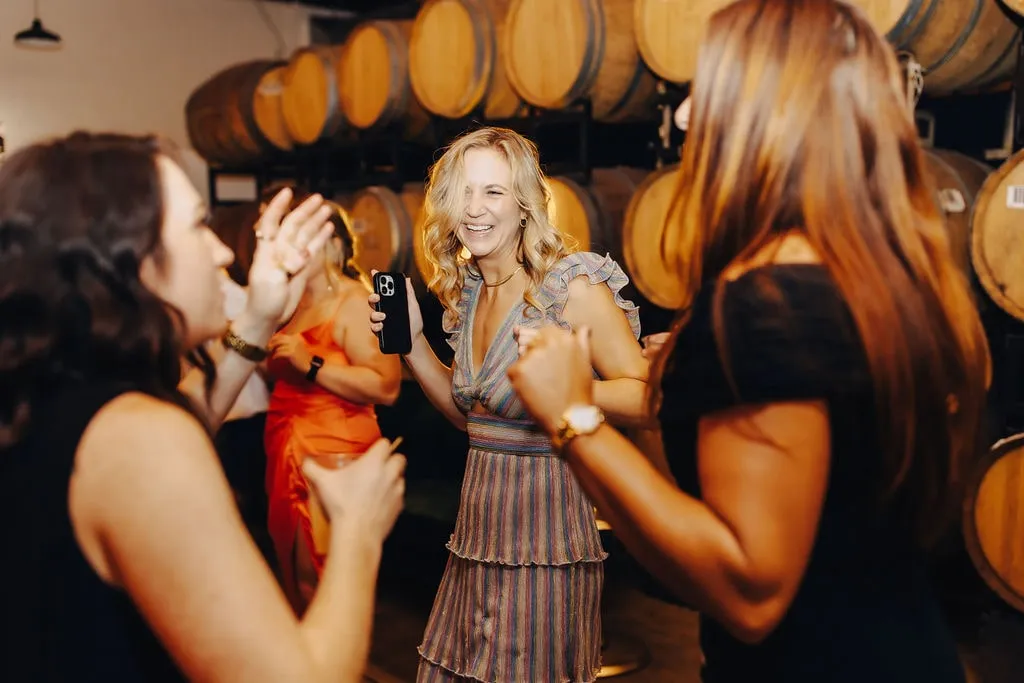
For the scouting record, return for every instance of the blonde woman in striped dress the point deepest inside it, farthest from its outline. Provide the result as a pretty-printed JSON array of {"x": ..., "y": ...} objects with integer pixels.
[{"x": 520, "y": 597}]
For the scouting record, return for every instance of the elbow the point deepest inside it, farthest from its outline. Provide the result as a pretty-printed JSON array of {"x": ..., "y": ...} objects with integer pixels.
[
  {"x": 751, "y": 622},
  {"x": 389, "y": 393}
]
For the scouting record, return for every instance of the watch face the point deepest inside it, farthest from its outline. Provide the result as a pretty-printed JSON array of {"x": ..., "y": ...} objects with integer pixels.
[{"x": 584, "y": 418}]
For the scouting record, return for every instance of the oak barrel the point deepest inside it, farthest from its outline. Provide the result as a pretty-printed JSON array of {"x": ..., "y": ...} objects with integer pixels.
[
  {"x": 384, "y": 223},
  {"x": 310, "y": 102},
  {"x": 373, "y": 78},
  {"x": 993, "y": 520},
  {"x": 592, "y": 214},
  {"x": 562, "y": 52},
  {"x": 642, "y": 228},
  {"x": 962, "y": 44},
  {"x": 268, "y": 108},
  {"x": 1015, "y": 6},
  {"x": 997, "y": 242},
  {"x": 958, "y": 180},
  {"x": 220, "y": 115},
  {"x": 457, "y": 59}
]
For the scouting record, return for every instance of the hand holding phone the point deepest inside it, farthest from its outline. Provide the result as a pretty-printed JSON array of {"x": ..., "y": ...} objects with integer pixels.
[{"x": 393, "y": 298}]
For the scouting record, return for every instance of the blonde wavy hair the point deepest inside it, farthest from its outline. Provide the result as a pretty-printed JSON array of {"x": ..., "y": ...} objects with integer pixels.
[{"x": 541, "y": 245}]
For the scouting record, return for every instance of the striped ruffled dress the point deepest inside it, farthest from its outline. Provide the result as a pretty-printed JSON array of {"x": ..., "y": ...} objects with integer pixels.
[{"x": 520, "y": 596}]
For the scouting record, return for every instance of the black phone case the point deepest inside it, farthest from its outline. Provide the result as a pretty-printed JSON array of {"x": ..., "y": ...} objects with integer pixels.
[{"x": 394, "y": 303}]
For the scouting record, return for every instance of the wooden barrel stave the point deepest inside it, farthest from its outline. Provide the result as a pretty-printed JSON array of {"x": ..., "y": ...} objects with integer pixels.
[
  {"x": 457, "y": 59},
  {"x": 599, "y": 62},
  {"x": 993, "y": 520},
  {"x": 267, "y": 112},
  {"x": 384, "y": 223},
  {"x": 373, "y": 79},
  {"x": 310, "y": 102},
  {"x": 592, "y": 214},
  {"x": 642, "y": 228},
  {"x": 963, "y": 44},
  {"x": 958, "y": 179},
  {"x": 997, "y": 246},
  {"x": 218, "y": 115}
]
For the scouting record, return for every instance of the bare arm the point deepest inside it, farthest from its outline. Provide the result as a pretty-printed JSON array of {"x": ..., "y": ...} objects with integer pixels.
[
  {"x": 617, "y": 355},
  {"x": 154, "y": 515},
  {"x": 435, "y": 378},
  {"x": 233, "y": 371},
  {"x": 372, "y": 377},
  {"x": 740, "y": 553}
]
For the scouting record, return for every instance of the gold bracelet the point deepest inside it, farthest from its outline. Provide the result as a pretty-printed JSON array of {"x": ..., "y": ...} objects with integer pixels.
[{"x": 243, "y": 348}]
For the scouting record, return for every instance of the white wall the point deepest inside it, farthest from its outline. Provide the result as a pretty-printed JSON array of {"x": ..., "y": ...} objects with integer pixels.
[{"x": 130, "y": 65}]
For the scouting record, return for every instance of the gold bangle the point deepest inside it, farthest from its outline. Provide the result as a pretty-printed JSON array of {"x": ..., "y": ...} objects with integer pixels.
[{"x": 243, "y": 348}]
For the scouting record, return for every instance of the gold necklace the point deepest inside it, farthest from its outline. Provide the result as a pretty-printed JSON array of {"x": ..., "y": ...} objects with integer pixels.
[{"x": 503, "y": 280}]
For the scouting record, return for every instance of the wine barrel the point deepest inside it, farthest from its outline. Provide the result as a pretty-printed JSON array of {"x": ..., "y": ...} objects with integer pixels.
[
  {"x": 958, "y": 179},
  {"x": 1016, "y": 6},
  {"x": 592, "y": 214},
  {"x": 457, "y": 59},
  {"x": 384, "y": 223},
  {"x": 268, "y": 108},
  {"x": 993, "y": 520},
  {"x": 310, "y": 103},
  {"x": 997, "y": 245},
  {"x": 962, "y": 44},
  {"x": 642, "y": 228},
  {"x": 220, "y": 115},
  {"x": 561, "y": 52},
  {"x": 373, "y": 79}
]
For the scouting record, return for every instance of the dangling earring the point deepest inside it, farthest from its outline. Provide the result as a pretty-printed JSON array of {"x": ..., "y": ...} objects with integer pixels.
[{"x": 522, "y": 222}]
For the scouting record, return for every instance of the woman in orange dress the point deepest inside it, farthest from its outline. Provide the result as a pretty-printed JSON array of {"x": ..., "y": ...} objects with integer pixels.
[{"x": 328, "y": 374}]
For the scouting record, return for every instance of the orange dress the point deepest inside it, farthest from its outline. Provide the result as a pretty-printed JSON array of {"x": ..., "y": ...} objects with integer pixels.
[{"x": 305, "y": 419}]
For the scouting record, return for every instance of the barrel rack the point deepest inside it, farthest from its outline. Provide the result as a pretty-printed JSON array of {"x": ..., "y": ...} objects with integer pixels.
[{"x": 571, "y": 143}]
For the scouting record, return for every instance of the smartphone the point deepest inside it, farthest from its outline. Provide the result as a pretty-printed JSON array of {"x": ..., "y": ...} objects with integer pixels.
[{"x": 395, "y": 337}]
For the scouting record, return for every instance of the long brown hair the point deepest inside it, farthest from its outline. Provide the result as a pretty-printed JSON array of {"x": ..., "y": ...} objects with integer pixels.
[{"x": 799, "y": 119}]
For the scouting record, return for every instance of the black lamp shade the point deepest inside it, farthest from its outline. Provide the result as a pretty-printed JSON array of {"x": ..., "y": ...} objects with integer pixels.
[{"x": 37, "y": 36}]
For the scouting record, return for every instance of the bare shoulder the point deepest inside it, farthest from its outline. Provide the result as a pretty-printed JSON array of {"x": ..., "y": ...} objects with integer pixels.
[{"x": 134, "y": 419}]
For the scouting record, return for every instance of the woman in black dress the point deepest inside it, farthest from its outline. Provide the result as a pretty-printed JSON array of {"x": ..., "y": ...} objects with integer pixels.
[{"x": 825, "y": 382}]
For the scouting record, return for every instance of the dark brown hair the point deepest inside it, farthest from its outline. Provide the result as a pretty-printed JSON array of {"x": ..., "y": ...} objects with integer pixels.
[
  {"x": 77, "y": 217},
  {"x": 826, "y": 145}
]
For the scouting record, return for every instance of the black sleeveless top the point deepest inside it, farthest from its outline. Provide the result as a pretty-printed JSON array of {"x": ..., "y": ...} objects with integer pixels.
[
  {"x": 61, "y": 622},
  {"x": 864, "y": 610}
]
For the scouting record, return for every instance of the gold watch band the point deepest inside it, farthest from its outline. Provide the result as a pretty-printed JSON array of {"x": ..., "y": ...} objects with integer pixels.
[{"x": 243, "y": 348}]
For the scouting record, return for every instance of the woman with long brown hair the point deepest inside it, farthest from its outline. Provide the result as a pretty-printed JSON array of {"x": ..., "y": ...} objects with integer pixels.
[{"x": 825, "y": 382}]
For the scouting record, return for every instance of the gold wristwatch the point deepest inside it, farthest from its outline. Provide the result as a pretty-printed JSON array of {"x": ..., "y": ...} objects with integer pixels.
[
  {"x": 248, "y": 351},
  {"x": 577, "y": 420}
]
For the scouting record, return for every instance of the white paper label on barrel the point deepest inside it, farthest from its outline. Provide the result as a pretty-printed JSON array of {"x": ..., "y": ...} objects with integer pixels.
[
  {"x": 1015, "y": 197},
  {"x": 952, "y": 201}
]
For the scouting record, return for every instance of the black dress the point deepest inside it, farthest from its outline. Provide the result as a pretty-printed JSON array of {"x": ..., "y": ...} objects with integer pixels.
[
  {"x": 864, "y": 610},
  {"x": 61, "y": 622}
]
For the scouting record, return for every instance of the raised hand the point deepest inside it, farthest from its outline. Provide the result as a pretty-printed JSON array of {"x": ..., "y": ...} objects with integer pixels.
[
  {"x": 367, "y": 491},
  {"x": 285, "y": 245}
]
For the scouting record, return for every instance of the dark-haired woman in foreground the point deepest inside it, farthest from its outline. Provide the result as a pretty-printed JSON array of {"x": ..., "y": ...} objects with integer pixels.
[
  {"x": 823, "y": 387},
  {"x": 127, "y": 558}
]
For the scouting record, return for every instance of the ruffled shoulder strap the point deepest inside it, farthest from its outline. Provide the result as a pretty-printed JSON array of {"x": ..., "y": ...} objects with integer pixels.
[
  {"x": 453, "y": 320},
  {"x": 554, "y": 291}
]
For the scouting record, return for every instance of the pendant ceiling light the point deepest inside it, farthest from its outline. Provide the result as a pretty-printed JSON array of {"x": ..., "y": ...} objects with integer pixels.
[{"x": 36, "y": 36}]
